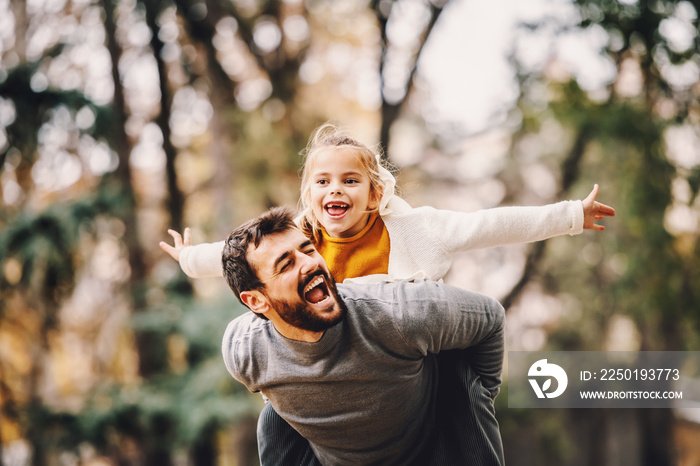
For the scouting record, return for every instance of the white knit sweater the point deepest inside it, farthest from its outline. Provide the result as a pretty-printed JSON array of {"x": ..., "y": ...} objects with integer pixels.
[{"x": 423, "y": 240}]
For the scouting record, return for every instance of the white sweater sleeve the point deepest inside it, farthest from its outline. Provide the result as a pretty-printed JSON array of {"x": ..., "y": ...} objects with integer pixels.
[
  {"x": 505, "y": 225},
  {"x": 202, "y": 260},
  {"x": 424, "y": 240}
]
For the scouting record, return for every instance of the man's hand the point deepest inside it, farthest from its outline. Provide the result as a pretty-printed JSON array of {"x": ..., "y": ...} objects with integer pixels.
[
  {"x": 180, "y": 244},
  {"x": 593, "y": 211}
]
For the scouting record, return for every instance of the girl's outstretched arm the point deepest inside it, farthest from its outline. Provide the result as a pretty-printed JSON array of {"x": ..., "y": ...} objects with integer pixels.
[
  {"x": 179, "y": 243},
  {"x": 202, "y": 260},
  {"x": 593, "y": 211}
]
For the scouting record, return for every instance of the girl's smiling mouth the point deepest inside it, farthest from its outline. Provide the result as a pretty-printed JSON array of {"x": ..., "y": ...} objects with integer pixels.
[{"x": 336, "y": 209}]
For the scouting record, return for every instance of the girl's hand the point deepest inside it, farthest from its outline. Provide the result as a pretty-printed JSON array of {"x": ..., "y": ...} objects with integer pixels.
[
  {"x": 593, "y": 211},
  {"x": 180, "y": 244}
]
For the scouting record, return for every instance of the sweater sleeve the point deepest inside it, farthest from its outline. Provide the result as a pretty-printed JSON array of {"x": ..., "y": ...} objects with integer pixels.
[
  {"x": 238, "y": 347},
  {"x": 434, "y": 317},
  {"x": 202, "y": 260},
  {"x": 457, "y": 231}
]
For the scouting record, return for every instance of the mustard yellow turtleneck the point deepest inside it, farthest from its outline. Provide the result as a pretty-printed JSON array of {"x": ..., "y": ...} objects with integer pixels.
[{"x": 366, "y": 253}]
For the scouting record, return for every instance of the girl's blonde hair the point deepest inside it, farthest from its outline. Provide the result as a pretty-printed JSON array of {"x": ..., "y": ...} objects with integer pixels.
[{"x": 330, "y": 135}]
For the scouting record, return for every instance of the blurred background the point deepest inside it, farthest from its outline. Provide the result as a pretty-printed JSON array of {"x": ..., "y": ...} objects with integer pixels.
[{"x": 122, "y": 118}]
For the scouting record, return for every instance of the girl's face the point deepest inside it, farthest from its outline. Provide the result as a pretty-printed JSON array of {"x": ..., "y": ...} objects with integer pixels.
[{"x": 340, "y": 192}]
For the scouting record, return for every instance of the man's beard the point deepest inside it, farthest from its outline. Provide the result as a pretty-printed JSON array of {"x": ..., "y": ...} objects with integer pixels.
[{"x": 300, "y": 314}]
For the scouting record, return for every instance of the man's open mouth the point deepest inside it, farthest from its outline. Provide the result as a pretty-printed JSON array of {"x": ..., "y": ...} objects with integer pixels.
[
  {"x": 316, "y": 291},
  {"x": 336, "y": 209}
]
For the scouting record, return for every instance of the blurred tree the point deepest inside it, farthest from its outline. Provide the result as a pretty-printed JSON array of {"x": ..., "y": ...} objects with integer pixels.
[
  {"x": 643, "y": 268},
  {"x": 397, "y": 78},
  {"x": 175, "y": 200},
  {"x": 41, "y": 254},
  {"x": 244, "y": 60},
  {"x": 197, "y": 119}
]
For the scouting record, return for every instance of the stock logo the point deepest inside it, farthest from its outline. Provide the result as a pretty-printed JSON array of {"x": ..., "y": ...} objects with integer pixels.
[{"x": 542, "y": 369}]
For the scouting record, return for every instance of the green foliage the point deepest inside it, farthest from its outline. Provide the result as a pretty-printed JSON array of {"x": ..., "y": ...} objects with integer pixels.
[
  {"x": 32, "y": 109},
  {"x": 641, "y": 272},
  {"x": 636, "y": 269},
  {"x": 203, "y": 394},
  {"x": 46, "y": 244},
  {"x": 650, "y": 277},
  {"x": 173, "y": 411},
  {"x": 536, "y": 434},
  {"x": 177, "y": 409}
]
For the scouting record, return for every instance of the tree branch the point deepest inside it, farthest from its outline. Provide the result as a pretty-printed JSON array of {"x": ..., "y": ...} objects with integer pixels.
[
  {"x": 570, "y": 173},
  {"x": 391, "y": 111},
  {"x": 175, "y": 197}
]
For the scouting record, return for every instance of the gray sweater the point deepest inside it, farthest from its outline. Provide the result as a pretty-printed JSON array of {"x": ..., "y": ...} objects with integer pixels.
[{"x": 365, "y": 392}]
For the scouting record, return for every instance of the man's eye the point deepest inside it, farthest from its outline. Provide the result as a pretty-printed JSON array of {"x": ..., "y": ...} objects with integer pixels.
[
  {"x": 310, "y": 251},
  {"x": 285, "y": 266}
]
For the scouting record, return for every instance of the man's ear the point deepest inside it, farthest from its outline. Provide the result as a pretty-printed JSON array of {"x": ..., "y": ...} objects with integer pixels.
[{"x": 256, "y": 301}]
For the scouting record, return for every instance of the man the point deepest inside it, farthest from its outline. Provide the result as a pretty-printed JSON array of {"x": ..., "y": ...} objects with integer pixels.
[{"x": 393, "y": 373}]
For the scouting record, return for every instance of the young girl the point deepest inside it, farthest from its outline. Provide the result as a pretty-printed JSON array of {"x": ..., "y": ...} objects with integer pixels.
[{"x": 366, "y": 233}]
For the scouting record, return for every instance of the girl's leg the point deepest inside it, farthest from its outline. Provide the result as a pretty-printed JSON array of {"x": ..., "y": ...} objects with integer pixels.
[
  {"x": 467, "y": 431},
  {"x": 279, "y": 444}
]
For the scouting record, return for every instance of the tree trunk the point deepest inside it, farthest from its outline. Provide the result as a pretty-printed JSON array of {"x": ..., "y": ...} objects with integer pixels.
[
  {"x": 570, "y": 172},
  {"x": 392, "y": 111},
  {"x": 150, "y": 349},
  {"x": 175, "y": 200}
]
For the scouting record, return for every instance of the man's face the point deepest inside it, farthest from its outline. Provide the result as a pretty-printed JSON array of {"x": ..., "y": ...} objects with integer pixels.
[{"x": 298, "y": 285}]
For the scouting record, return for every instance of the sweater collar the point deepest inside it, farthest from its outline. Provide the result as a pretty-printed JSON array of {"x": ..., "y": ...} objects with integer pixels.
[
  {"x": 312, "y": 350},
  {"x": 389, "y": 183}
]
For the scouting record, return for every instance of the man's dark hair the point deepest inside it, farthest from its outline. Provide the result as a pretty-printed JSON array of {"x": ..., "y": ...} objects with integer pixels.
[{"x": 238, "y": 272}]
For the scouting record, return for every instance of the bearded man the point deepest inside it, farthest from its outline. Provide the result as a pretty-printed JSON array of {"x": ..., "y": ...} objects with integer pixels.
[{"x": 390, "y": 373}]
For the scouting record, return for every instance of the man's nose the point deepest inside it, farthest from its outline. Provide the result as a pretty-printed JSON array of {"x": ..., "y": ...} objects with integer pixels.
[{"x": 306, "y": 264}]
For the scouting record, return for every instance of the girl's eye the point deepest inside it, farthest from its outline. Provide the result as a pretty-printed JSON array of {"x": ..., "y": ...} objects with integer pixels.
[
  {"x": 351, "y": 181},
  {"x": 321, "y": 182}
]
